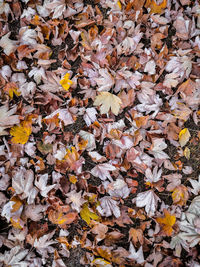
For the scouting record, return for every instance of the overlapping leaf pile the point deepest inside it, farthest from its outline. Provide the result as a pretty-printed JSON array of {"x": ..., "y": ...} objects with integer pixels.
[{"x": 99, "y": 126}]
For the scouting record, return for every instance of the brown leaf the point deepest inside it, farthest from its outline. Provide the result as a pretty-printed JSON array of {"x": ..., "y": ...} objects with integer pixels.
[{"x": 136, "y": 235}]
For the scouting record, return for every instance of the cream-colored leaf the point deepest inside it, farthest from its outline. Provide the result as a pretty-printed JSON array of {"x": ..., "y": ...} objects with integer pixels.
[{"x": 108, "y": 101}]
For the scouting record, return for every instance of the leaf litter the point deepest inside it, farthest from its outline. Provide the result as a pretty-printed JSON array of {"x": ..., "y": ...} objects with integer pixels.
[{"x": 99, "y": 128}]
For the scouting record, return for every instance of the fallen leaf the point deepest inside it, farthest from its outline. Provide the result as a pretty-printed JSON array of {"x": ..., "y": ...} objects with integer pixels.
[
  {"x": 60, "y": 218},
  {"x": 66, "y": 82},
  {"x": 136, "y": 235},
  {"x": 180, "y": 195},
  {"x": 148, "y": 200},
  {"x": 21, "y": 133},
  {"x": 166, "y": 223},
  {"x": 12, "y": 89},
  {"x": 184, "y": 137},
  {"x": 87, "y": 215},
  {"x": 137, "y": 256},
  {"x": 99, "y": 262},
  {"x": 108, "y": 101},
  {"x": 108, "y": 206},
  {"x": 154, "y": 7},
  {"x": 186, "y": 153}
]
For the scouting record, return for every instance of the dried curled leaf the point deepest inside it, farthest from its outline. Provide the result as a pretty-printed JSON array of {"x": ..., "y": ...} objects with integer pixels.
[{"x": 108, "y": 101}]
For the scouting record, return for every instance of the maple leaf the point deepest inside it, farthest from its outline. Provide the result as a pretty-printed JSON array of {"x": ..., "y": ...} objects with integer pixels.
[
  {"x": 137, "y": 256},
  {"x": 76, "y": 199},
  {"x": 136, "y": 235},
  {"x": 184, "y": 137},
  {"x": 89, "y": 138},
  {"x": 66, "y": 82},
  {"x": 87, "y": 215},
  {"x": 157, "y": 147},
  {"x": 196, "y": 186},
  {"x": 9, "y": 46},
  {"x": 14, "y": 257},
  {"x": 100, "y": 230},
  {"x": 108, "y": 206},
  {"x": 42, "y": 185},
  {"x": 22, "y": 182},
  {"x": 108, "y": 101},
  {"x": 166, "y": 223},
  {"x": 154, "y": 7},
  {"x": 118, "y": 188},
  {"x": 43, "y": 244},
  {"x": 106, "y": 81},
  {"x": 60, "y": 218},
  {"x": 153, "y": 177},
  {"x": 99, "y": 262},
  {"x": 21, "y": 133},
  {"x": 189, "y": 226},
  {"x": 12, "y": 88},
  {"x": 148, "y": 200},
  {"x": 102, "y": 171},
  {"x": 180, "y": 195},
  {"x": 37, "y": 73},
  {"x": 7, "y": 119}
]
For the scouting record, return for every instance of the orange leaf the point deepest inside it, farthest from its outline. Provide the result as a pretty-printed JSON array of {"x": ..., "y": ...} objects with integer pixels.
[
  {"x": 154, "y": 7},
  {"x": 180, "y": 195},
  {"x": 58, "y": 217},
  {"x": 166, "y": 223}
]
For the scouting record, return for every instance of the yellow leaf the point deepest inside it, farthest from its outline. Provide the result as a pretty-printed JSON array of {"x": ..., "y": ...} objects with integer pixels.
[
  {"x": 66, "y": 82},
  {"x": 119, "y": 5},
  {"x": 186, "y": 152},
  {"x": 184, "y": 137},
  {"x": 180, "y": 195},
  {"x": 73, "y": 179},
  {"x": 21, "y": 133},
  {"x": 17, "y": 223},
  {"x": 108, "y": 101},
  {"x": 99, "y": 262},
  {"x": 87, "y": 215},
  {"x": 166, "y": 223},
  {"x": 154, "y": 7},
  {"x": 17, "y": 205},
  {"x": 11, "y": 88}
]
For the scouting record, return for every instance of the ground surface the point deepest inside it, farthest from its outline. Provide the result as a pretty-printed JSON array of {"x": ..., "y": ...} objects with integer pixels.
[{"x": 99, "y": 127}]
